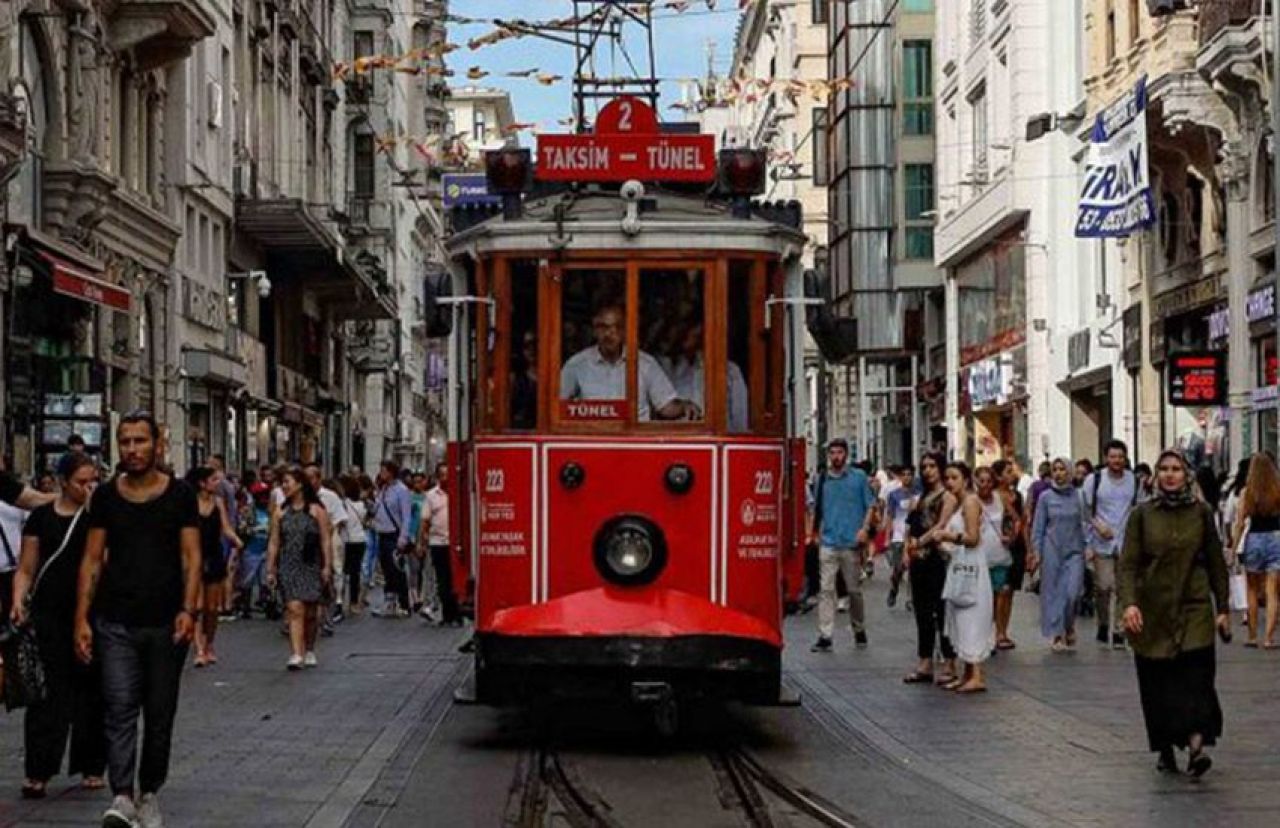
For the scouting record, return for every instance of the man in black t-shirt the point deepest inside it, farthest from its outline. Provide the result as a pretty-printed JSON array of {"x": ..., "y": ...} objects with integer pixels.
[{"x": 142, "y": 595}]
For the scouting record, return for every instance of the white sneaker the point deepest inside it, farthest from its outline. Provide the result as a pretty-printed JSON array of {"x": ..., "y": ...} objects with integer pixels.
[
  {"x": 149, "y": 812},
  {"x": 121, "y": 814},
  {"x": 309, "y": 660},
  {"x": 294, "y": 662},
  {"x": 842, "y": 604}
]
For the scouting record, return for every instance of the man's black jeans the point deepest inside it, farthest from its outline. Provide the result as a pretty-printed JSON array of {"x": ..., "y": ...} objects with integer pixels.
[
  {"x": 141, "y": 671},
  {"x": 397, "y": 582}
]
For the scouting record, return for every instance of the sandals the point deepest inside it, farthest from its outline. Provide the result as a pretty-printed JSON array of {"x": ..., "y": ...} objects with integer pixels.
[
  {"x": 93, "y": 783},
  {"x": 1251, "y": 645},
  {"x": 971, "y": 688},
  {"x": 950, "y": 683},
  {"x": 34, "y": 790},
  {"x": 1005, "y": 644},
  {"x": 1270, "y": 645},
  {"x": 917, "y": 677}
]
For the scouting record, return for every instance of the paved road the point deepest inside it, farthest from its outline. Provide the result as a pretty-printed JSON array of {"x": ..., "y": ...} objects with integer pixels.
[{"x": 370, "y": 739}]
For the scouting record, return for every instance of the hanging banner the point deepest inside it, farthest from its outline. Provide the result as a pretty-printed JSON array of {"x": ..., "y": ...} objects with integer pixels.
[{"x": 1116, "y": 197}]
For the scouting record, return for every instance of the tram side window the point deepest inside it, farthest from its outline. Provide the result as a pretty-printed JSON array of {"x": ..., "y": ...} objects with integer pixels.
[
  {"x": 672, "y": 371},
  {"x": 738, "y": 373},
  {"x": 523, "y": 371},
  {"x": 593, "y": 340}
]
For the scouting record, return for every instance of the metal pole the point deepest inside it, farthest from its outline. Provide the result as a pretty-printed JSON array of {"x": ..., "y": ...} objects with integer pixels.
[{"x": 1275, "y": 170}]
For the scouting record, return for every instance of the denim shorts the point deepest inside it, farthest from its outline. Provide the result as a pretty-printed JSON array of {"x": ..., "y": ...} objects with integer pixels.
[
  {"x": 999, "y": 577},
  {"x": 1262, "y": 552}
]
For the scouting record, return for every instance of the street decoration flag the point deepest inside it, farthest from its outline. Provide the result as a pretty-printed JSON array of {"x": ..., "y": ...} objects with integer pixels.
[{"x": 1116, "y": 199}]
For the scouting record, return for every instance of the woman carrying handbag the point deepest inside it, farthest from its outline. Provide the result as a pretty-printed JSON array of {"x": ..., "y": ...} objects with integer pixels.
[{"x": 44, "y": 595}]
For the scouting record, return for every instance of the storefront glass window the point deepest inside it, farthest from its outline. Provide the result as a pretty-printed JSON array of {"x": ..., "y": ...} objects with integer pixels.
[{"x": 993, "y": 297}]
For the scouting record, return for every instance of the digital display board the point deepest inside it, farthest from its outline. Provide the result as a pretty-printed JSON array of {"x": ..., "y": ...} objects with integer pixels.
[{"x": 1198, "y": 379}]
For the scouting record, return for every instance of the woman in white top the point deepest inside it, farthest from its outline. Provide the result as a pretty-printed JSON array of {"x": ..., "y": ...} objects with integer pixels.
[
  {"x": 354, "y": 538},
  {"x": 969, "y": 612},
  {"x": 993, "y": 542}
]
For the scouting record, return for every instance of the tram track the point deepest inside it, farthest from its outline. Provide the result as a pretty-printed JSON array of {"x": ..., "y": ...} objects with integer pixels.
[{"x": 548, "y": 790}]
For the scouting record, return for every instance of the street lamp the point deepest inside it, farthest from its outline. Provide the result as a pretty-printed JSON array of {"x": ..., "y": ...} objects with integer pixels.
[{"x": 258, "y": 276}]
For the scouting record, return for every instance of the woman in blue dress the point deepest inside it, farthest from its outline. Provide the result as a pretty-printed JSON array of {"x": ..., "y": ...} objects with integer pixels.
[{"x": 1058, "y": 540}]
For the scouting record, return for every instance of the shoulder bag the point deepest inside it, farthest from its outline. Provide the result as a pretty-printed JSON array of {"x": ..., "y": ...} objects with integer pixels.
[{"x": 25, "y": 682}]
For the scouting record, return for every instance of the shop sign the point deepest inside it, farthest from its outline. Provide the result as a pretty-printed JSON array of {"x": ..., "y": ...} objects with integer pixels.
[
  {"x": 988, "y": 383},
  {"x": 70, "y": 280},
  {"x": 1265, "y": 398},
  {"x": 1260, "y": 306},
  {"x": 1188, "y": 297},
  {"x": 1198, "y": 379},
  {"x": 1220, "y": 323},
  {"x": 466, "y": 189},
  {"x": 627, "y": 144},
  {"x": 1116, "y": 196},
  {"x": 1132, "y": 346},
  {"x": 1078, "y": 350}
]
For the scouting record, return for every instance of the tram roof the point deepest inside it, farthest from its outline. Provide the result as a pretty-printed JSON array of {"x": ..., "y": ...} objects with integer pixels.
[{"x": 668, "y": 221}]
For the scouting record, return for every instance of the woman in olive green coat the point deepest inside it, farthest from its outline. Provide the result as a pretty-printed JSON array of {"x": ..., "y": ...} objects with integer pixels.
[{"x": 1172, "y": 581}]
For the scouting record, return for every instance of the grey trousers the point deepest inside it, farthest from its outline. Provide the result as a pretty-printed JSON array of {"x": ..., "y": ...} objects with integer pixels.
[{"x": 141, "y": 671}]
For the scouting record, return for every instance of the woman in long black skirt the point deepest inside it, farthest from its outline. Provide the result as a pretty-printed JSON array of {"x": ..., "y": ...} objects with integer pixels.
[{"x": 1172, "y": 581}]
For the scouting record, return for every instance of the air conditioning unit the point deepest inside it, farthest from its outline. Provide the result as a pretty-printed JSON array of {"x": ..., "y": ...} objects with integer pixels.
[{"x": 214, "y": 98}]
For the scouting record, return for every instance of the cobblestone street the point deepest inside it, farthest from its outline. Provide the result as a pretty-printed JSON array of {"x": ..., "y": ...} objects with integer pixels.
[{"x": 372, "y": 738}]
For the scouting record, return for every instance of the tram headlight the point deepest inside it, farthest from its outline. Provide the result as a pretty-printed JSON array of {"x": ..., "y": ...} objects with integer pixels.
[{"x": 630, "y": 551}]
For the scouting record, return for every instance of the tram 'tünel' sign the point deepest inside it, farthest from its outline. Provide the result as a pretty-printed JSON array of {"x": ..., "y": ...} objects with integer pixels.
[
  {"x": 1198, "y": 379},
  {"x": 627, "y": 144}
]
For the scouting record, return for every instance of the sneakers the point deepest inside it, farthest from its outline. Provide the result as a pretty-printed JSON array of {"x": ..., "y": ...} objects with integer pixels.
[
  {"x": 326, "y": 629},
  {"x": 149, "y": 812},
  {"x": 121, "y": 814},
  {"x": 338, "y": 615},
  {"x": 429, "y": 614},
  {"x": 309, "y": 660},
  {"x": 294, "y": 663},
  {"x": 860, "y": 639},
  {"x": 822, "y": 645},
  {"x": 842, "y": 604}
]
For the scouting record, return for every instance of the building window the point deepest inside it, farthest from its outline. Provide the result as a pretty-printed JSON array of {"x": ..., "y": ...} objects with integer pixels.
[
  {"x": 362, "y": 158},
  {"x": 362, "y": 44},
  {"x": 918, "y": 200},
  {"x": 914, "y": 6},
  {"x": 821, "y": 148},
  {"x": 1111, "y": 31},
  {"x": 1135, "y": 22},
  {"x": 917, "y": 85},
  {"x": 978, "y": 123},
  {"x": 820, "y": 11},
  {"x": 478, "y": 128}
]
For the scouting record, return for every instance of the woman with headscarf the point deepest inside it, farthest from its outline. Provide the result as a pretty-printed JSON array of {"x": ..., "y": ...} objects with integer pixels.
[
  {"x": 1058, "y": 541},
  {"x": 1171, "y": 568}
]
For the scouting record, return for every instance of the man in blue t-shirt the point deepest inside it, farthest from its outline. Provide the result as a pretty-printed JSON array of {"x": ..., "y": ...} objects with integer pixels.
[
  {"x": 1110, "y": 494},
  {"x": 839, "y": 516}
]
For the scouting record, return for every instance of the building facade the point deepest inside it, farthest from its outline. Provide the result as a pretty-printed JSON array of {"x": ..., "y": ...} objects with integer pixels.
[
  {"x": 1019, "y": 285},
  {"x": 478, "y": 119},
  {"x": 882, "y": 205},
  {"x": 179, "y": 234}
]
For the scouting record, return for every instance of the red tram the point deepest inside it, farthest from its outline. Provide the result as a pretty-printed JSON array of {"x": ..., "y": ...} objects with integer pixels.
[{"x": 631, "y": 523}]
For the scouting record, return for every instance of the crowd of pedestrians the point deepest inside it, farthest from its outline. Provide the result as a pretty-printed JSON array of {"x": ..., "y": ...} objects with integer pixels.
[
  {"x": 117, "y": 580},
  {"x": 1157, "y": 558}
]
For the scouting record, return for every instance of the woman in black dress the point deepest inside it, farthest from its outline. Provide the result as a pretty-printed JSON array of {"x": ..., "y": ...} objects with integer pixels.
[
  {"x": 301, "y": 552},
  {"x": 52, "y": 546},
  {"x": 928, "y": 574},
  {"x": 215, "y": 525}
]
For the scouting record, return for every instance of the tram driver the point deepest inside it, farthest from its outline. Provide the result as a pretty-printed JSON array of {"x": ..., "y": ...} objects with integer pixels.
[{"x": 599, "y": 372}]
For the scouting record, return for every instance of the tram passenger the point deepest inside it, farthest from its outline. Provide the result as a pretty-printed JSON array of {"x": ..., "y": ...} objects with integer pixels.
[
  {"x": 687, "y": 371},
  {"x": 599, "y": 372},
  {"x": 524, "y": 384}
]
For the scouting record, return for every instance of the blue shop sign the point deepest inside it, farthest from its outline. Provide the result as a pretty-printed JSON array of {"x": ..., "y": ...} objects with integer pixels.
[{"x": 467, "y": 189}]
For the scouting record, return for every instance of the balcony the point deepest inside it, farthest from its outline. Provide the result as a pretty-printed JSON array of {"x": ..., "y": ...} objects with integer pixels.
[
  {"x": 1216, "y": 16},
  {"x": 159, "y": 32},
  {"x": 301, "y": 245}
]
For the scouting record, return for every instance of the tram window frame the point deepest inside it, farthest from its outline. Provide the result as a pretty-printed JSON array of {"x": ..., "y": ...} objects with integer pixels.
[
  {"x": 553, "y": 332},
  {"x": 712, "y": 419},
  {"x": 507, "y": 269}
]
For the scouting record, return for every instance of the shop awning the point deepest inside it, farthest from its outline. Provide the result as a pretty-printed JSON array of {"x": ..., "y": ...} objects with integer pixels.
[{"x": 79, "y": 282}]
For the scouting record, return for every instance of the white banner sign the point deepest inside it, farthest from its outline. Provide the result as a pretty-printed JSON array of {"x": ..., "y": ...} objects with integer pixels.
[{"x": 1116, "y": 197}]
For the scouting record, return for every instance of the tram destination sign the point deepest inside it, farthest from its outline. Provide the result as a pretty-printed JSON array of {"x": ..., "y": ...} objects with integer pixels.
[
  {"x": 1198, "y": 379},
  {"x": 627, "y": 144}
]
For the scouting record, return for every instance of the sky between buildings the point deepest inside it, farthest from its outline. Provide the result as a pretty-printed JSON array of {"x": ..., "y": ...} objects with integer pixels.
[{"x": 680, "y": 47}]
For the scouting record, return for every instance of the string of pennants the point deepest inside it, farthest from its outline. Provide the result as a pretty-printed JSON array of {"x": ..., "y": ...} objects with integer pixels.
[{"x": 427, "y": 61}]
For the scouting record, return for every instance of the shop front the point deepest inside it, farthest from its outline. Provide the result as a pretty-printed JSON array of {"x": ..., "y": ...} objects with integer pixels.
[
  {"x": 1090, "y": 390},
  {"x": 993, "y": 408},
  {"x": 1191, "y": 319},
  {"x": 1260, "y": 426},
  {"x": 65, "y": 315}
]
